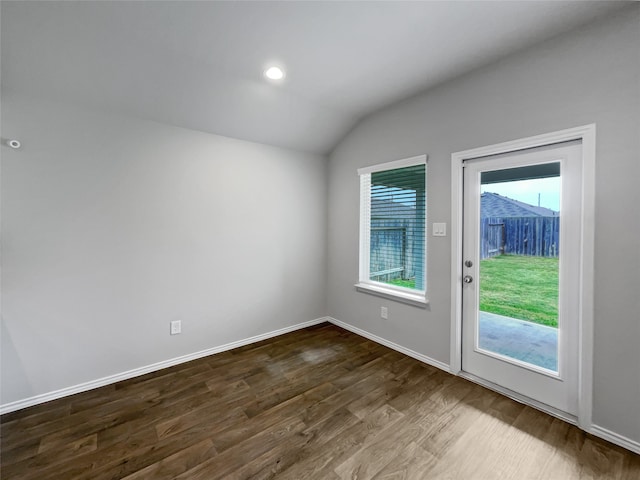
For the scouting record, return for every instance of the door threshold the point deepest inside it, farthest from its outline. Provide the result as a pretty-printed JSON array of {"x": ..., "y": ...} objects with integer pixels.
[{"x": 554, "y": 412}]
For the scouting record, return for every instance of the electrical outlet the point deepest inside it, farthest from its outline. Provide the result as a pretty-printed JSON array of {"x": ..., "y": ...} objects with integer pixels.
[
  {"x": 384, "y": 313},
  {"x": 176, "y": 327}
]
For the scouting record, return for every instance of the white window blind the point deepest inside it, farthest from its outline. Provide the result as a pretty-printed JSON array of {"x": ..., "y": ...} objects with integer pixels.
[{"x": 392, "y": 226}]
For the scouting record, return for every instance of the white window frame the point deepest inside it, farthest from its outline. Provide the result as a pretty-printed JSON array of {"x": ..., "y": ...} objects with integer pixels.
[{"x": 365, "y": 284}]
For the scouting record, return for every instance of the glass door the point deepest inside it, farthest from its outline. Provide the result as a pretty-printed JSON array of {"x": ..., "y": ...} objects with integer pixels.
[{"x": 521, "y": 270}]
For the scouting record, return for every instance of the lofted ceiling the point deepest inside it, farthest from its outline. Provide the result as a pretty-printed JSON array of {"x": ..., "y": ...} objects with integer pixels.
[{"x": 199, "y": 65}]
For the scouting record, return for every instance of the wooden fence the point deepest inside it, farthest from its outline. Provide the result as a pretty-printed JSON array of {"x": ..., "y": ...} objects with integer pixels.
[
  {"x": 391, "y": 250},
  {"x": 536, "y": 236}
]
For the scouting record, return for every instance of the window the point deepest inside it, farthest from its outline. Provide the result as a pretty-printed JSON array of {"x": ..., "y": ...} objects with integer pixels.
[{"x": 393, "y": 208}]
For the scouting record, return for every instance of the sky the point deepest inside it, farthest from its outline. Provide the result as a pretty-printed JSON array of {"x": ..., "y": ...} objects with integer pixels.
[{"x": 527, "y": 191}]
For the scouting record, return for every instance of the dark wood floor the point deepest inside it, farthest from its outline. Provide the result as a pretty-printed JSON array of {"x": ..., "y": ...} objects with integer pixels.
[{"x": 320, "y": 403}]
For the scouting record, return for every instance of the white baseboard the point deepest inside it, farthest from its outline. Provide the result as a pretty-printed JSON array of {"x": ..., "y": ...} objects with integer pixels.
[
  {"x": 136, "y": 372},
  {"x": 393, "y": 346},
  {"x": 613, "y": 437},
  {"x": 595, "y": 430}
]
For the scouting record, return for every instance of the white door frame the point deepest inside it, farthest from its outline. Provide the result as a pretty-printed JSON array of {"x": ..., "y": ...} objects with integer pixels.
[{"x": 587, "y": 134}]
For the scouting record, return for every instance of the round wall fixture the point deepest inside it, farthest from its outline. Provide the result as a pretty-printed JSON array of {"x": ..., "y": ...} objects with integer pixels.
[{"x": 13, "y": 143}]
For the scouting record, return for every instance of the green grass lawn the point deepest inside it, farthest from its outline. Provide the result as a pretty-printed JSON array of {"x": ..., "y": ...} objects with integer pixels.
[
  {"x": 516, "y": 286},
  {"x": 520, "y": 287},
  {"x": 404, "y": 283}
]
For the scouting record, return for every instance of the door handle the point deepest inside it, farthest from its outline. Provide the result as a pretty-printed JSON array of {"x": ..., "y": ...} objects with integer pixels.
[{"x": 467, "y": 279}]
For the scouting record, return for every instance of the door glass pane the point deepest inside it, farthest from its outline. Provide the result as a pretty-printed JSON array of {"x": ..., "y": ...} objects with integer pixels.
[{"x": 519, "y": 259}]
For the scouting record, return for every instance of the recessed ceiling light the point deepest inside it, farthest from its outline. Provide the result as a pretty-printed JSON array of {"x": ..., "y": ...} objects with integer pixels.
[{"x": 274, "y": 73}]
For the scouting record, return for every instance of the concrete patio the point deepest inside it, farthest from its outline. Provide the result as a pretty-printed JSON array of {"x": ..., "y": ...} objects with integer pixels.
[{"x": 519, "y": 339}]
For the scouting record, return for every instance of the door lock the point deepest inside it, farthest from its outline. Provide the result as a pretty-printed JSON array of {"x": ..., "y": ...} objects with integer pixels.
[
  {"x": 467, "y": 279},
  {"x": 468, "y": 263}
]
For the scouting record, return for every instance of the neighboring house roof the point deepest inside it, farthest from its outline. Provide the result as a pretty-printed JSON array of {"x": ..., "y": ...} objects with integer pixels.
[{"x": 494, "y": 205}]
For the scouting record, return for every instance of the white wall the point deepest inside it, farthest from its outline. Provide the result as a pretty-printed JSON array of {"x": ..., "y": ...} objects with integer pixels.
[
  {"x": 113, "y": 226},
  {"x": 588, "y": 76}
]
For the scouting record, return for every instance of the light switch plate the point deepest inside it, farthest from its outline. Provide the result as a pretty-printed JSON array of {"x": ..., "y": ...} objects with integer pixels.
[{"x": 439, "y": 229}]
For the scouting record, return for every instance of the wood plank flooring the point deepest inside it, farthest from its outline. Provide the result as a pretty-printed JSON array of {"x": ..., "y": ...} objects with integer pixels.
[{"x": 320, "y": 403}]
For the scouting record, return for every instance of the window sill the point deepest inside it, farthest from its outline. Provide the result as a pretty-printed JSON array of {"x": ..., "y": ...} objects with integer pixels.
[{"x": 415, "y": 299}]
